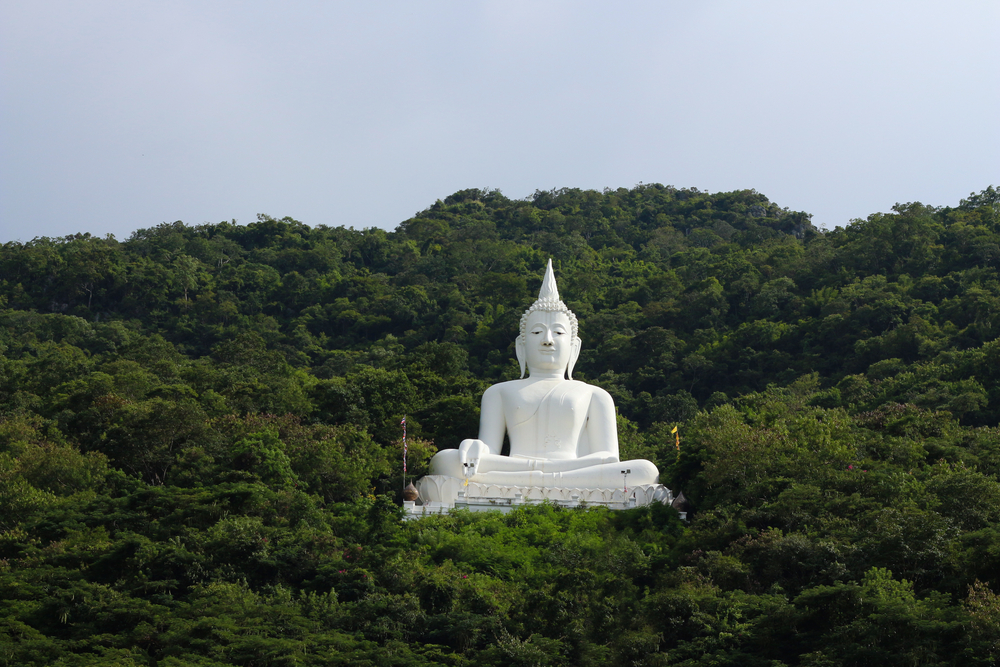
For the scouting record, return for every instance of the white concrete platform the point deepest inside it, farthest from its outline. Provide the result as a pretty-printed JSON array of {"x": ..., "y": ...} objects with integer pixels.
[{"x": 439, "y": 494}]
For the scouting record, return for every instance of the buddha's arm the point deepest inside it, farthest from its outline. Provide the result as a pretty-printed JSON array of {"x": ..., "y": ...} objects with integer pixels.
[
  {"x": 492, "y": 421},
  {"x": 602, "y": 428},
  {"x": 484, "y": 453}
]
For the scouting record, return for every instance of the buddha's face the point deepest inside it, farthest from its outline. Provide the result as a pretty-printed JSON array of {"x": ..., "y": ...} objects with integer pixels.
[{"x": 549, "y": 343}]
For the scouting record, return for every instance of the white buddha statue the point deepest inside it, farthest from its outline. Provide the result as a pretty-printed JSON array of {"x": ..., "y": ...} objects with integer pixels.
[{"x": 563, "y": 433}]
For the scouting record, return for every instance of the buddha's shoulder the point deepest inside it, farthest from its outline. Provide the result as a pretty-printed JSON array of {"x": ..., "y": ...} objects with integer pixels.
[
  {"x": 504, "y": 387},
  {"x": 597, "y": 392},
  {"x": 591, "y": 388},
  {"x": 574, "y": 386}
]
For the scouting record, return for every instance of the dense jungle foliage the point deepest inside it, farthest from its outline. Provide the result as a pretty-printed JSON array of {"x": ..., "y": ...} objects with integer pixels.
[{"x": 200, "y": 445}]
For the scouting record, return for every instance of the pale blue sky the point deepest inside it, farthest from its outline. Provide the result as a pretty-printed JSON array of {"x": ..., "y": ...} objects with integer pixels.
[{"x": 120, "y": 115}]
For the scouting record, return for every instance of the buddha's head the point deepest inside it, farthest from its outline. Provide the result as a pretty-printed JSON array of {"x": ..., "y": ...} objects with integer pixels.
[{"x": 549, "y": 333}]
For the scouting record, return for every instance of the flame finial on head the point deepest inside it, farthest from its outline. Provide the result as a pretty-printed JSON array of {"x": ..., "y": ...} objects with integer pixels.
[{"x": 549, "y": 291}]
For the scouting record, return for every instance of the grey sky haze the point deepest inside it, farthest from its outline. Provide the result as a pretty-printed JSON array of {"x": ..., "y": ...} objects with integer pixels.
[{"x": 117, "y": 115}]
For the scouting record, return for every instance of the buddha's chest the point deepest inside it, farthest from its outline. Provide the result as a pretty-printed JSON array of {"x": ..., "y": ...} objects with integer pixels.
[{"x": 545, "y": 420}]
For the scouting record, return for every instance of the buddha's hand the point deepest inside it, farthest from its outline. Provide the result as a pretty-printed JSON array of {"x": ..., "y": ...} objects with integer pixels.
[{"x": 470, "y": 452}]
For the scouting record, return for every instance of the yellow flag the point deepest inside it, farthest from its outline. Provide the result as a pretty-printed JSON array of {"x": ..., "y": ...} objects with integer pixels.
[{"x": 674, "y": 430}]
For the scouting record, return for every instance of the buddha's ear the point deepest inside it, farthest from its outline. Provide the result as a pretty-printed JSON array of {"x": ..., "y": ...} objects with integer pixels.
[
  {"x": 573, "y": 356},
  {"x": 520, "y": 352}
]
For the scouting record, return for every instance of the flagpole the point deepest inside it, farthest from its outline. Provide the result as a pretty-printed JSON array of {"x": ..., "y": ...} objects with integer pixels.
[{"x": 403, "y": 424}]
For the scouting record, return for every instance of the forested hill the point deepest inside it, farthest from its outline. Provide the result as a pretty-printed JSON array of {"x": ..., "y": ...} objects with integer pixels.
[{"x": 199, "y": 437}]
